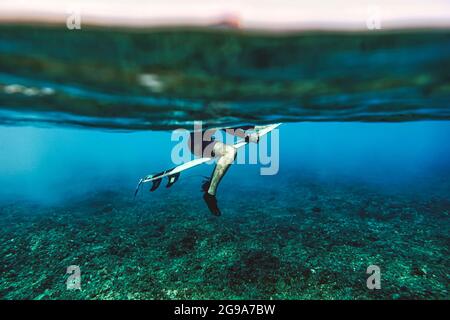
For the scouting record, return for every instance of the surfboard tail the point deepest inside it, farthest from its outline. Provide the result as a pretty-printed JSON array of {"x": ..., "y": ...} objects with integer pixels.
[{"x": 156, "y": 180}]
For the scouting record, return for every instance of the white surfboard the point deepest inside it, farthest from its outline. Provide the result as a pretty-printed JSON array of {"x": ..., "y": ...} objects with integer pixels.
[{"x": 174, "y": 173}]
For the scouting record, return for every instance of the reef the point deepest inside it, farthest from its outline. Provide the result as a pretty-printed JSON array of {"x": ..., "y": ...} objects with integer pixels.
[{"x": 313, "y": 242}]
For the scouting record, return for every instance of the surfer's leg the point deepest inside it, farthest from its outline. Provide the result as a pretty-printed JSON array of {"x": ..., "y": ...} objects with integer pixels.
[{"x": 226, "y": 154}]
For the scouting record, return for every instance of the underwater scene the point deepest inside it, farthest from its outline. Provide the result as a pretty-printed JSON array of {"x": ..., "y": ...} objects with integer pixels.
[{"x": 356, "y": 176}]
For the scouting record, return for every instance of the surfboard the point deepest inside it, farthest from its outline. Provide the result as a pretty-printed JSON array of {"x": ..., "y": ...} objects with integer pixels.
[{"x": 174, "y": 173}]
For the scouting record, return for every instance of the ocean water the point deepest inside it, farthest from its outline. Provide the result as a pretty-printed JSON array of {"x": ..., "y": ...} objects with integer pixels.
[{"x": 362, "y": 164}]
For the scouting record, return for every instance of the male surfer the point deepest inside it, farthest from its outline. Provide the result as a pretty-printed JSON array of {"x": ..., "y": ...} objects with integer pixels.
[
  {"x": 205, "y": 147},
  {"x": 202, "y": 144}
]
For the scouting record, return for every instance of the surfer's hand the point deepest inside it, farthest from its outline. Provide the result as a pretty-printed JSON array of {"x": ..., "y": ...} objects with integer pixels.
[{"x": 252, "y": 137}]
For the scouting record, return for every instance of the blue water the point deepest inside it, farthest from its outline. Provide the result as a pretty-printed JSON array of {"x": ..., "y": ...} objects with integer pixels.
[
  {"x": 346, "y": 196},
  {"x": 54, "y": 164}
]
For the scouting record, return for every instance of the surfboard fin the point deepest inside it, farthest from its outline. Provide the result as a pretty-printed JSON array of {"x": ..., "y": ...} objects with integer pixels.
[
  {"x": 155, "y": 184},
  {"x": 172, "y": 179}
]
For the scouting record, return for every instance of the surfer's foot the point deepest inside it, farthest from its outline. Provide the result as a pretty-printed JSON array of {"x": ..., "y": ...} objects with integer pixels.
[{"x": 211, "y": 202}]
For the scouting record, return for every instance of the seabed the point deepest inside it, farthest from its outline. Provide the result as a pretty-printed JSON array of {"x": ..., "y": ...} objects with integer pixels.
[{"x": 304, "y": 239}]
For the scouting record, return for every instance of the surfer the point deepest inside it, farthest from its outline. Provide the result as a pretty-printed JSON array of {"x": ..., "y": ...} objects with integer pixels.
[
  {"x": 202, "y": 144},
  {"x": 205, "y": 147}
]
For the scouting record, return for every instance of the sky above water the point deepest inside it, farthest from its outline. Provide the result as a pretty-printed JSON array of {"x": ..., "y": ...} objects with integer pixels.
[{"x": 271, "y": 14}]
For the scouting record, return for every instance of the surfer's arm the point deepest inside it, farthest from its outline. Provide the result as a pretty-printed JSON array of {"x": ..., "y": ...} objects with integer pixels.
[{"x": 249, "y": 133}]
